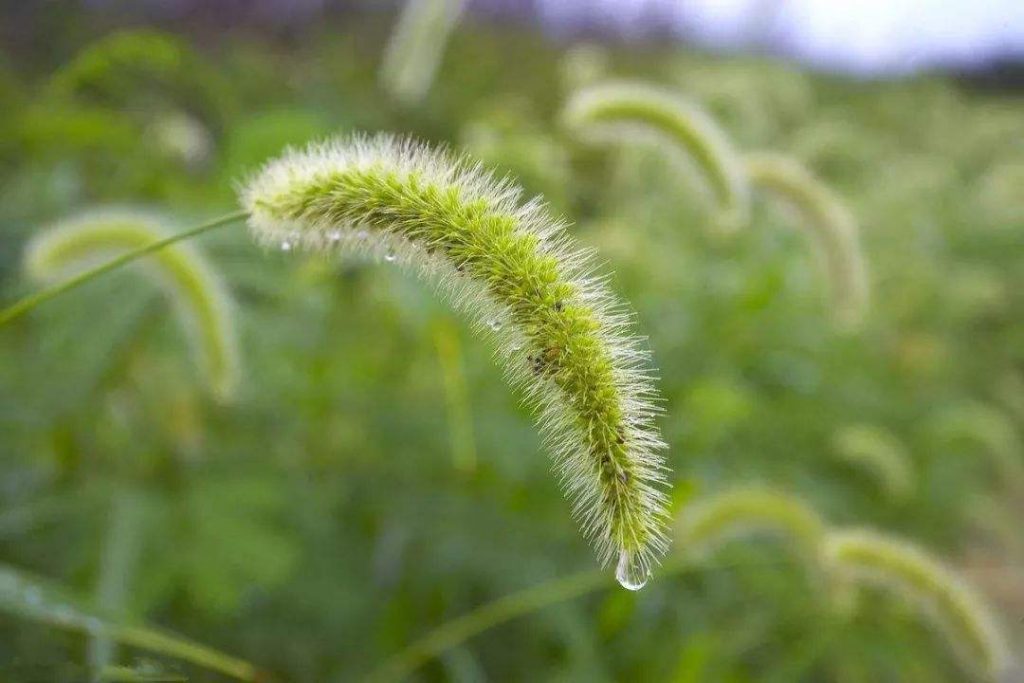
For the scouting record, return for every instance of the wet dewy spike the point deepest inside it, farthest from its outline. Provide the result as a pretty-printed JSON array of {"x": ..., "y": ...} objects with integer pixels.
[{"x": 564, "y": 339}]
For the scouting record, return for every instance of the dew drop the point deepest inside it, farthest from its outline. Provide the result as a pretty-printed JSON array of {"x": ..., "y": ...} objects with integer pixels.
[
  {"x": 334, "y": 236},
  {"x": 390, "y": 257},
  {"x": 494, "y": 325},
  {"x": 286, "y": 245},
  {"x": 362, "y": 234},
  {"x": 630, "y": 573}
]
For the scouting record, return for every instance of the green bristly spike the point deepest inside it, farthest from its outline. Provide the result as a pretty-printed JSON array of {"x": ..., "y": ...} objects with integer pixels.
[
  {"x": 127, "y": 61},
  {"x": 706, "y": 524},
  {"x": 829, "y": 223},
  {"x": 200, "y": 296},
  {"x": 977, "y": 425},
  {"x": 625, "y": 113},
  {"x": 880, "y": 454},
  {"x": 416, "y": 47},
  {"x": 874, "y": 559},
  {"x": 563, "y": 338}
]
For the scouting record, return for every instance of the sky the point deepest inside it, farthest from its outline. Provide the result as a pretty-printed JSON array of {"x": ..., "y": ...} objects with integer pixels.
[{"x": 858, "y": 36}]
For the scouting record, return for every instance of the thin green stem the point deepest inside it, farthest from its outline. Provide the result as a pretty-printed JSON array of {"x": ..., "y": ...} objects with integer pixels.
[
  {"x": 27, "y": 597},
  {"x": 200, "y": 655},
  {"x": 460, "y": 419},
  {"x": 461, "y": 629},
  {"x": 31, "y": 301},
  {"x": 117, "y": 566},
  {"x": 503, "y": 609}
]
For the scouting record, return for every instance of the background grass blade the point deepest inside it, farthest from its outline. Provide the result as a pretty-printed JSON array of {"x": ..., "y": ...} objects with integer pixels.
[{"x": 26, "y": 597}]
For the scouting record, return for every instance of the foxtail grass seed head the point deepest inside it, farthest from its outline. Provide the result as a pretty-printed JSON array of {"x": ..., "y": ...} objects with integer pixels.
[
  {"x": 875, "y": 559},
  {"x": 114, "y": 67},
  {"x": 416, "y": 47},
  {"x": 880, "y": 454},
  {"x": 830, "y": 224},
  {"x": 562, "y": 337},
  {"x": 711, "y": 522},
  {"x": 200, "y": 296},
  {"x": 623, "y": 112},
  {"x": 990, "y": 431}
]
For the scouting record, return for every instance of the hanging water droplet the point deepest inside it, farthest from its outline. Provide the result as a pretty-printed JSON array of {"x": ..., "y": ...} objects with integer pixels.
[
  {"x": 494, "y": 325},
  {"x": 630, "y": 573},
  {"x": 390, "y": 257},
  {"x": 286, "y": 245},
  {"x": 334, "y": 236},
  {"x": 362, "y": 234}
]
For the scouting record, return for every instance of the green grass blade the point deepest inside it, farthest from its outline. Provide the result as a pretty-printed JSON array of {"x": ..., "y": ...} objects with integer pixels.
[{"x": 26, "y": 597}]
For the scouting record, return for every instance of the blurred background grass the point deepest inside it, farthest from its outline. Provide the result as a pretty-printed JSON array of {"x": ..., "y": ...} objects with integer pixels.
[{"x": 375, "y": 477}]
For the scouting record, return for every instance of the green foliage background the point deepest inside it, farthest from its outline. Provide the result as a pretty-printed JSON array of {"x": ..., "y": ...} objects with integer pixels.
[{"x": 376, "y": 478}]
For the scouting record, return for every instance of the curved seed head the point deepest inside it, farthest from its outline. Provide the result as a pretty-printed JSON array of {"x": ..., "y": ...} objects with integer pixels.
[
  {"x": 902, "y": 568},
  {"x": 626, "y": 112},
  {"x": 416, "y": 47},
  {"x": 565, "y": 340},
  {"x": 976, "y": 425},
  {"x": 829, "y": 223},
  {"x": 880, "y": 454},
  {"x": 200, "y": 296},
  {"x": 707, "y": 524}
]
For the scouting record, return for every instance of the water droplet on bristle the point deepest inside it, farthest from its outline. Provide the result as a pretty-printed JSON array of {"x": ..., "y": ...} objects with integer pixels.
[
  {"x": 286, "y": 245},
  {"x": 630, "y": 572},
  {"x": 390, "y": 257},
  {"x": 334, "y": 235}
]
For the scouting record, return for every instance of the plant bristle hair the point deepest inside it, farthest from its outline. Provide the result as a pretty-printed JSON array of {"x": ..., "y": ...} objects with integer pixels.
[
  {"x": 627, "y": 112},
  {"x": 906, "y": 570},
  {"x": 200, "y": 296},
  {"x": 563, "y": 338}
]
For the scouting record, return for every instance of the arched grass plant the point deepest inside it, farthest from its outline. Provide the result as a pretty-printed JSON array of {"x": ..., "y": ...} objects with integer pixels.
[
  {"x": 709, "y": 523},
  {"x": 827, "y": 221},
  {"x": 626, "y": 113},
  {"x": 562, "y": 336},
  {"x": 199, "y": 295},
  {"x": 875, "y": 559},
  {"x": 416, "y": 47},
  {"x": 880, "y": 454}
]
